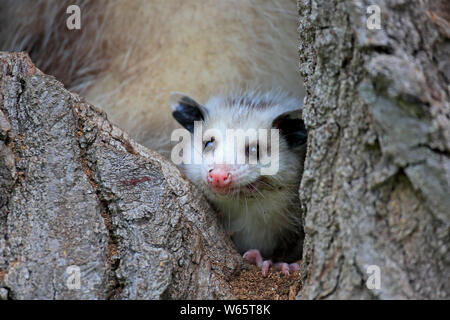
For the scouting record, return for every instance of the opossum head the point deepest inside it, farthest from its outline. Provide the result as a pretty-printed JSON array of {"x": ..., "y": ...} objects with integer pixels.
[{"x": 238, "y": 160}]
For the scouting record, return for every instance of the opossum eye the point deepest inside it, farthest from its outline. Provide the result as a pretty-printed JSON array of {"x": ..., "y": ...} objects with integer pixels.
[
  {"x": 209, "y": 143},
  {"x": 252, "y": 150}
]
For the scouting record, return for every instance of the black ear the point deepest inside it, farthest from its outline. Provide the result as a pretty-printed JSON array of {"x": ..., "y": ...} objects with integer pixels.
[
  {"x": 292, "y": 128},
  {"x": 186, "y": 110}
]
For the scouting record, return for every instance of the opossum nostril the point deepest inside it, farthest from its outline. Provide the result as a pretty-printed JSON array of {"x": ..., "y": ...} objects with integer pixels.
[{"x": 219, "y": 177}]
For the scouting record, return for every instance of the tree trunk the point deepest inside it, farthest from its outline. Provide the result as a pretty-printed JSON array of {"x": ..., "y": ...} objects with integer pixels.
[
  {"x": 77, "y": 195},
  {"x": 375, "y": 189}
]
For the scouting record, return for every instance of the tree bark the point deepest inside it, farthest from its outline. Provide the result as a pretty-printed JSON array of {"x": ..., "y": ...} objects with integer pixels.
[
  {"x": 375, "y": 189},
  {"x": 75, "y": 191}
]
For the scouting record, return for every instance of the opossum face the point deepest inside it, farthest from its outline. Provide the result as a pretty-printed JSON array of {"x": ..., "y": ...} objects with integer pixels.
[{"x": 249, "y": 145}]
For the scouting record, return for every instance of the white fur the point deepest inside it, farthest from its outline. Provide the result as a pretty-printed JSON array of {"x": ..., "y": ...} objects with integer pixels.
[{"x": 256, "y": 220}]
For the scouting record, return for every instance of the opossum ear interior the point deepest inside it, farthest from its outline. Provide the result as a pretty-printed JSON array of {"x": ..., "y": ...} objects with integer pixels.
[
  {"x": 291, "y": 127},
  {"x": 186, "y": 110}
]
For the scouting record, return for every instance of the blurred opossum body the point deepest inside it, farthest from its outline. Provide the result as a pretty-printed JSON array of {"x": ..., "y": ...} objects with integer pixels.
[{"x": 129, "y": 55}]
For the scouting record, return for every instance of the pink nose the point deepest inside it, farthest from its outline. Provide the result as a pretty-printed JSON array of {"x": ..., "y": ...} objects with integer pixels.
[{"x": 219, "y": 177}]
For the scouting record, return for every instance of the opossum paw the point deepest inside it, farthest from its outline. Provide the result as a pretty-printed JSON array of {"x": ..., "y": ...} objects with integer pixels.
[
  {"x": 286, "y": 267},
  {"x": 267, "y": 264},
  {"x": 254, "y": 257}
]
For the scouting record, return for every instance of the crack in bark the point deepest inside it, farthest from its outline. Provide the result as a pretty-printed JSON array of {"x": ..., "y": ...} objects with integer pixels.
[{"x": 113, "y": 243}]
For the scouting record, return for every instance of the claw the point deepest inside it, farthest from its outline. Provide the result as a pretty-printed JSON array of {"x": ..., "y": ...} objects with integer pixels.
[
  {"x": 254, "y": 257},
  {"x": 283, "y": 267},
  {"x": 266, "y": 268}
]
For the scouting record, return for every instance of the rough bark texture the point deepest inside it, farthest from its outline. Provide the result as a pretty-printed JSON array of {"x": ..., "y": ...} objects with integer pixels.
[
  {"x": 376, "y": 184},
  {"x": 75, "y": 190}
]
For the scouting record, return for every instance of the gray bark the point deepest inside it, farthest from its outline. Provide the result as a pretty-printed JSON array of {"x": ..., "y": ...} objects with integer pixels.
[
  {"x": 75, "y": 190},
  {"x": 375, "y": 189}
]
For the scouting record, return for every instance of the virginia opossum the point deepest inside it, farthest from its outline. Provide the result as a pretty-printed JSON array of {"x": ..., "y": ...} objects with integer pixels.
[
  {"x": 261, "y": 211},
  {"x": 129, "y": 55}
]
